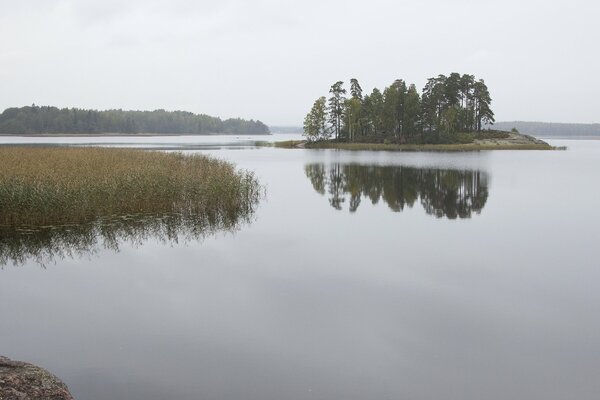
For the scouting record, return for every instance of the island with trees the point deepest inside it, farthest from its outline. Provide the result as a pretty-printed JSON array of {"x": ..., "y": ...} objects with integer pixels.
[
  {"x": 451, "y": 113},
  {"x": 52, "y": 120}
]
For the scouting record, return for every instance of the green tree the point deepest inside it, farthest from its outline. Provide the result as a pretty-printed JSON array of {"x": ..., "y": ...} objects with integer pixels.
[
  {"x": 355, "y": 118},
  {"x": 400, "y": 87},
  {"x": 352, "y": 118},
  {"x": 449, "y": 121},
  {"x": 433, "y": 102},
  {"x": 336, "y": 107},
  {"x": 467, "y": 120},
  {"x": 390, "y": 103},
  {"x": 412, "y": 110},
  {"x": 452, "y": 90},
  {"x": 482, "y": 99},
  {"x": 315, "y": 122},
  {"x": 373, "y": 111},
  {"x": 355, "y": 89}
]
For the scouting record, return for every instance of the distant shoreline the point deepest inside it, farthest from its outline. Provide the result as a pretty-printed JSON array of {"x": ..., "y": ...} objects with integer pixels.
[
  {"x": 126, "y": 134},
  {"x": 51, "y": 120},
  {"x": 551, "y": 129},
  {"x": 581, "y": 137}
]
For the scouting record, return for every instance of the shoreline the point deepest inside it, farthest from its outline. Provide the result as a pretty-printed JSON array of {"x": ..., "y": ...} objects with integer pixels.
[
  {"x": 108, "y": 134},
  {"x": 412, "y": 147},
  {"x": 513, "y": 141}
]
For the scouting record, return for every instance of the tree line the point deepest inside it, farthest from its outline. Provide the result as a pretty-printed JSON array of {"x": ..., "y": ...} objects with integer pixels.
[
  {"x": 447, "y": 107},
  {"x": 442, "y": 192},
  {"x": 35, "y": 120}
]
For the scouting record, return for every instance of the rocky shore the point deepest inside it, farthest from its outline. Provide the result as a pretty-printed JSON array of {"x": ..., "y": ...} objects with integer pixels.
[
  {"x": 512, "y": 138},
  {"x": 23, "y": 381}
]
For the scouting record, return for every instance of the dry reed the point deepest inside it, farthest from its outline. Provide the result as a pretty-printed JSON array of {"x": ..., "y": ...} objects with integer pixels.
[{"x": 46, "y": 185}]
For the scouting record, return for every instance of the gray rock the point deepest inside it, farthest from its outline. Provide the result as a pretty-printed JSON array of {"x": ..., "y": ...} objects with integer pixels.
[{"x": 22, "y": 381}]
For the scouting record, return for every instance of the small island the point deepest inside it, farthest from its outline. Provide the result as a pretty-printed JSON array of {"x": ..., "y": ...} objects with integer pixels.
[{"x": 452, "y": 113}]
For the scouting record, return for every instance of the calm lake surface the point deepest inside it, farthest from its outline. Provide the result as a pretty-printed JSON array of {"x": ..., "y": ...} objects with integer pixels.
[{"x": 362, "y": 275}]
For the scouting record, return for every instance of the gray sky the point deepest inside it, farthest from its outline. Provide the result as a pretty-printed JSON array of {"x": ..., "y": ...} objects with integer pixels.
[{"x": 270, "y": 59}]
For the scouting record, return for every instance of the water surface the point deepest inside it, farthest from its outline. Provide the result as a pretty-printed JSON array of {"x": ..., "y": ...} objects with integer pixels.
[{"x": 373, "y": 275}]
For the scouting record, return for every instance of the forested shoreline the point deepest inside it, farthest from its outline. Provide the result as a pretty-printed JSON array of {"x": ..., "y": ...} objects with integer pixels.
[
  {"x": 450, "y": 109},
  {"x": 46, "y": 119}
]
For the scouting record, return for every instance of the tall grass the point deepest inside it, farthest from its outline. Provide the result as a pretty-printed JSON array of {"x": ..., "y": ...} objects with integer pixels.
[{"x": 46, "y": 186}]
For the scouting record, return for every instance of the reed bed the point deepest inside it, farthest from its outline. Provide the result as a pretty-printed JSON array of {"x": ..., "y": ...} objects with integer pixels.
[{"x": 58, "y": 185}]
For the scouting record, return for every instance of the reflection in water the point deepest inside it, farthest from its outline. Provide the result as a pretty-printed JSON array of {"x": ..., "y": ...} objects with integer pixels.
[
  {"x": 48, "y": 243},
  {"x": 442, "y": 192}
]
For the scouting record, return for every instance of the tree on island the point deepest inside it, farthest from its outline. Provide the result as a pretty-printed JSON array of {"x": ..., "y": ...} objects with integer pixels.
[
  {"x": 315, "y": 122},
  {"x": 449, "y": 109},
  {"x": 337, "y": 107},
  {"x": 353, "y": 107}
]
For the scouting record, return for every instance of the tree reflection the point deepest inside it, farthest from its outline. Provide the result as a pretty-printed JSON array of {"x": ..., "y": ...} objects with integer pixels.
[
  {"x": 45, "y": 244},
  {"x": 442, "y": 192}
]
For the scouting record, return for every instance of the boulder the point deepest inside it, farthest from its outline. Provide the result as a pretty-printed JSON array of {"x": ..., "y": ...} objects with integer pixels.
[{"x": 22, "y": 381}]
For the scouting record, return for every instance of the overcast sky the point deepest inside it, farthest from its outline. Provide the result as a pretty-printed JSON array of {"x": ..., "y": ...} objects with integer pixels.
[{"x": 270, "y": 59}]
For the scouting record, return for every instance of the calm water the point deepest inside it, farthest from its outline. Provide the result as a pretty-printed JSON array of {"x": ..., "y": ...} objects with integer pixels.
[{"x": 362, "y": 275}]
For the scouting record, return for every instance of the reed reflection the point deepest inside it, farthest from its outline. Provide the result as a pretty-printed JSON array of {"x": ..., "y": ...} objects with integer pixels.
[
  {"x": 49, "y": 243},
  {"x": 444, "y": 193}
]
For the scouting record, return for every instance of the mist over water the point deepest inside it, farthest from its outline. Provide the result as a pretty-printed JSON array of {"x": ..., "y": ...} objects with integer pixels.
[{"x": 361, "y": 275}]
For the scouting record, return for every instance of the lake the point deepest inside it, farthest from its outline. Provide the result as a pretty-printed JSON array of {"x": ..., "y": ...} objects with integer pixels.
[{"x": 361, "y": 275}]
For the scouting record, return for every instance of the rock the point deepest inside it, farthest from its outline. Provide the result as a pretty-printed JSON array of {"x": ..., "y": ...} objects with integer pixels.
[
  {"x": 512, "y": 139},
  {"x": 22, "y": 381}
]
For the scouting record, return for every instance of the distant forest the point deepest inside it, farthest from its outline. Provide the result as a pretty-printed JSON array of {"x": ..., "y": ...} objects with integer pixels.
[
  {"x": 38, "y": 120},
  {"x": 550, "y": 128},
  {"x": 447, "y": 108}
]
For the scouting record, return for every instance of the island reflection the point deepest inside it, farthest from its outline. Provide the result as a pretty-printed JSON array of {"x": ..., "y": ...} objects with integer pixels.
[
  {"x": 448, "y": 193},
  {"x": 46, "y": 244}
]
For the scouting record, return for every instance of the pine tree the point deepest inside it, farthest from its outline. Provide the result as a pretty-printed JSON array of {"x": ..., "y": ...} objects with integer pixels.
[{"x": 336, "y": 107}]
